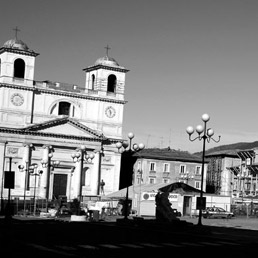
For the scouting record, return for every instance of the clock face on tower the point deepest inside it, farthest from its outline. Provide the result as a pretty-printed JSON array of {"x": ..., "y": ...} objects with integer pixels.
[
  {"x": 110, "y": 112},
  {"x": 17, "y": 99}
]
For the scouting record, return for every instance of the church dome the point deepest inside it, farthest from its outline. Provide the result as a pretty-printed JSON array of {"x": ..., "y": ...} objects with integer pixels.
[
  {"x": 106, "y": 60},
  {"x": 16, "y": 44}
]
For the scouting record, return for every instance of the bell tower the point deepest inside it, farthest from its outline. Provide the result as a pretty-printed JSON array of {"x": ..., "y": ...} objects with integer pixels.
[
  {"x": 105, "y": 85},
  {"x": 17, "y": 62},
  {"x": 106, "y": 78}
]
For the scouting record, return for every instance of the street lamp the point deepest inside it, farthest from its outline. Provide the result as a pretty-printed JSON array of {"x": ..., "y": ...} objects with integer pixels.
[
  {"x": 81, "y": 156},
  {"x": 33, "y": 172},
  {"x": 26, "y": 174},
  {"x": 129, "y": 150},
  {"x": 139, "y": 176},
  {"x": 26, "y": 170},
  {"x": 50, "y": 165},
  {"x": 203, "y": 134},
  {"x": 185, "y": 177}
]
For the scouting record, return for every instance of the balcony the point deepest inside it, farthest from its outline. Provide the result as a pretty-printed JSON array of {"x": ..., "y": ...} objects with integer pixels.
[
  {"x": 152, "y": 173},
  {"x": 166, "y": 175}
]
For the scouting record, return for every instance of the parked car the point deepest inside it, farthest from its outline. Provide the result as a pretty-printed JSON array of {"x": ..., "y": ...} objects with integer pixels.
[
  {"x": 177, "y": 213},
  {"x": 217, "y": 212}
]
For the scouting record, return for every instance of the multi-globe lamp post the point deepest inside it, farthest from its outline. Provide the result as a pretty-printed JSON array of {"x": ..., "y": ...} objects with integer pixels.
[
  {"x": 33, "y": 172},
  {"x": 186, "y": 177},
  {"x": 26, "y": 171},
  {"x": 50, "y": 165},
  {"x": 81, "y": 156},
  {"x": 204, "y": 134},
  {"x": 129, "y": 149}
]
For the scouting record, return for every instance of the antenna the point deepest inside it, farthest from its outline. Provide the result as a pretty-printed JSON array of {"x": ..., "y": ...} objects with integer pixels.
[
  {"x": 161, "y": 142},
  {"x": 147, "y": 142},
  {"x": 169, "y": 140}
]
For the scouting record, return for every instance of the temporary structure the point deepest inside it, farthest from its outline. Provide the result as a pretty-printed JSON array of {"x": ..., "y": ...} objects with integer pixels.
[
  {"x": 135, "y": 189},
  {"x": 177, "y": 187},
  {"x": 142, "y": 196},
  {"x": 180, "y": 188}
]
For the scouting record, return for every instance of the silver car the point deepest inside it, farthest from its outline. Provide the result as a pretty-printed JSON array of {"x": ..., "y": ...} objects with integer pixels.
[{"x": 217, "y": 212}]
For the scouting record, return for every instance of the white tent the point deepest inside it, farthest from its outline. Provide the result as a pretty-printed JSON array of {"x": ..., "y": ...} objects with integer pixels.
[
  {"x": 135, "y": 189},
  {"x": 146, "y": 206}
]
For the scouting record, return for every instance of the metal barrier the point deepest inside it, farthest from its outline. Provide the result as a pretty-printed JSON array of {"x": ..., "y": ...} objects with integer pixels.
[{"x": 19, "y": 206}]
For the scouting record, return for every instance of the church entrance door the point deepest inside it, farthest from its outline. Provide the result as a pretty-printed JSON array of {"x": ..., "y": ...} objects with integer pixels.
[{"x": 60, "y": 185}]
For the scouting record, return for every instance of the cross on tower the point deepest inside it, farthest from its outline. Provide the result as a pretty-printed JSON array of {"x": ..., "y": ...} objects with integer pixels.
[
  {"x": 16, "y": 31},
  {"x": 107, "y": 48}
]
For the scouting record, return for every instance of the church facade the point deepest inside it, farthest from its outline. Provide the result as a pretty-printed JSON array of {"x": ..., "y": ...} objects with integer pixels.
[{"x": 58, "y": 139}]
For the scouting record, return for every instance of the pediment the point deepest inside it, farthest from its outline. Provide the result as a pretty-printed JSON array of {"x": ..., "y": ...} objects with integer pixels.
[
  {"x": 64, "y": 126},
  {"x": 66, "y": 129}
]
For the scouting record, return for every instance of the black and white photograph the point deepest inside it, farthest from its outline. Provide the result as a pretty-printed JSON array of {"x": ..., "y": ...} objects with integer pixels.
[{"x": 128, "y": 128}]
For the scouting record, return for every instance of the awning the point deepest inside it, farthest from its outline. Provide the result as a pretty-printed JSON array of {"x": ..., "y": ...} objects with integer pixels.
[
  {"x": 253, "y": 169},
  {"x": 246, "y": 154},
  {"x": 235, "y": 170}
]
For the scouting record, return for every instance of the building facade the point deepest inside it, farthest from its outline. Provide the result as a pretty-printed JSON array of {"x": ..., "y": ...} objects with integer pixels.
[
  {"x": 58, "y": 139},
  {"x": 168, "y": 166},
  {"x": 146, "y": 170},
  {"x": 233, "y": 173}
]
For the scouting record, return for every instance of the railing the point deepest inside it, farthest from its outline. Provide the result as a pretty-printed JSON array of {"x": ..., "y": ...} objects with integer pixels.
[
  {"x": 166, "y": 174},
  {"x": 17, "y": 206}
]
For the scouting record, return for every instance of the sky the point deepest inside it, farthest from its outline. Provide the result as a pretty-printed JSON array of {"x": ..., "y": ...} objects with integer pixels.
[{"x": 186, "y": 58}]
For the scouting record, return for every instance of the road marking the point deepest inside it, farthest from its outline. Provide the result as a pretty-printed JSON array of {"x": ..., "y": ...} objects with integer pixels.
[
  {"x": 132, "y": 245},
  {"x": 191, "y": 244},
  {"x": 209, "y": 243},
  {"x": 92, "y": 247},
  {"x": 173, "y": 245},
  {"x": 110, "y": 246},
  {"x": 68, "y": 248},
  {"x": 228, "y": 243},
  {"x": 150, "y": 245},
  {"x": 40, "y": 247}
]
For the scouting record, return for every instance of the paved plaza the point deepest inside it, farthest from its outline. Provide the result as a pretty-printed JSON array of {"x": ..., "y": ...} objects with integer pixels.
[{"x": 37, "y": 237}]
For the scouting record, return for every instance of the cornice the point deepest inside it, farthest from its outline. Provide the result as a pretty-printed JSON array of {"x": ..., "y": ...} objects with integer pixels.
[
  {"x": 18, "y": 131},
  {"x": 61, "y": 93},
  {"x": 18, "y": 51},
  {"x": 112, "y": 68},
  {"x": 44, "y": 134},
  {"x": 33, "y": 130}
]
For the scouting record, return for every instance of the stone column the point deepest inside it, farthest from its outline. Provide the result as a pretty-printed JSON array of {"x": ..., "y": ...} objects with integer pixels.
[{"x": 46, "y": 159}]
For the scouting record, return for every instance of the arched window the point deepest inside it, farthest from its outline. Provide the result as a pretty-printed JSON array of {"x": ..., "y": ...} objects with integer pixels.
[
  {"x": 64, "y": 108},
  {"x": 92, "y": 81},
  {"x": 19, "y": 68},
  {"x": 111, "y": 83}
]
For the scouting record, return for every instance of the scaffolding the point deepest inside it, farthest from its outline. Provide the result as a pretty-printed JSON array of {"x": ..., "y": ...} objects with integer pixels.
[{"x": 214, "y": 175}]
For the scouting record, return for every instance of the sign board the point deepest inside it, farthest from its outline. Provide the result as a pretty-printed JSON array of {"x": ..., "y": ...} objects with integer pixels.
[
  {"x": 201, "y": 203},
  {"x": 150, "y": 196},
  {"x": 9, "y": 179}
]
